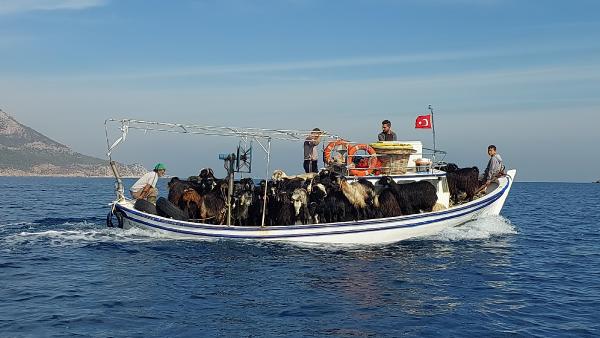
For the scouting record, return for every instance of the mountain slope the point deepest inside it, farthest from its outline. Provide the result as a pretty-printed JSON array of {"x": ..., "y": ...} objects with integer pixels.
[{"x": 26, "y": 152}]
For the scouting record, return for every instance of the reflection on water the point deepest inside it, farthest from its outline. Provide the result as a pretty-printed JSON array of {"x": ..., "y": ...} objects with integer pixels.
[{"x": 417, "y": 278}]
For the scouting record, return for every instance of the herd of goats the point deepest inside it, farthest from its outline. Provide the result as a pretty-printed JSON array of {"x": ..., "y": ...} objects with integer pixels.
[{"x": 323, "y": 197}]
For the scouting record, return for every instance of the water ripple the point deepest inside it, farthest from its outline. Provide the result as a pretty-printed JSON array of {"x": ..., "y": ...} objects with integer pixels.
[{"x": 535, "y": 271}]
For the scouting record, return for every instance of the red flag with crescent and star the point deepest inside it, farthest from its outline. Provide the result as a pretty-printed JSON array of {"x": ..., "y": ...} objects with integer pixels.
[{"x": 423, "y": 122}]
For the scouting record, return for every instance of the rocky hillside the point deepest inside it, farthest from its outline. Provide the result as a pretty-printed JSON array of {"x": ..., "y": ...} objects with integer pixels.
[{"x": 26, "y": 152}]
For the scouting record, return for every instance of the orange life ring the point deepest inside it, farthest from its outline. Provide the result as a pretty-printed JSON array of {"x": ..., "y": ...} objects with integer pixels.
[
  {"x": 332, "y": 145},
  {"x": 373, "y": 161}
]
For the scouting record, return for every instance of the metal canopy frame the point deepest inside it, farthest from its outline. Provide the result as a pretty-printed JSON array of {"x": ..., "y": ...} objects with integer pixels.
[
  {"x": 257, "y": 134},
  {"x": 260, "y": 135}
]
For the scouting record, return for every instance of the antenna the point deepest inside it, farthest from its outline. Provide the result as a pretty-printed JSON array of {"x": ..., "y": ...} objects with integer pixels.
[
  {"x": 433, "y": 130},
  {"x": 244, "y": 158}
]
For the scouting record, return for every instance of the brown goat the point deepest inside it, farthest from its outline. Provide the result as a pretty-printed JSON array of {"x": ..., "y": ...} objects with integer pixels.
[{"x": 192, "y": 202}]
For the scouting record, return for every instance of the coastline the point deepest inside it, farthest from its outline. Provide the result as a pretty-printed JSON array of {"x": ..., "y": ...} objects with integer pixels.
[
  {"x": 66, "y": 176},
  {"x": 50, "y": 170}
]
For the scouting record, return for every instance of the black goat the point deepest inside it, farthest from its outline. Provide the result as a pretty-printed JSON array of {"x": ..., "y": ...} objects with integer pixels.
[
  {"x": 462, "y": 180},
  {"x": 413, "y": 197},
  {"x": 213, "y": 208},
  {"x": 256, "y": 207},
  {"x": 316, "y": 202},
  {"x": 177, "y": 188},
  {"x": 337, "y": 208},
  {"x": 388, "y": 204},
  {"x": 240, "y": 209}
]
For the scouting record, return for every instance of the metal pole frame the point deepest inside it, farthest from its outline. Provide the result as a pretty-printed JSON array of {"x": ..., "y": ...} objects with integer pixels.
[
  {"x": 256, "y": 134},
  {"x": 433, "y": 130},
  {"x": 262, "y": 222}
]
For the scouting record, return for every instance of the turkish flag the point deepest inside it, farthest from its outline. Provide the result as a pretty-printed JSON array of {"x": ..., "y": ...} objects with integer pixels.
[{"x": 423, "y": 122}]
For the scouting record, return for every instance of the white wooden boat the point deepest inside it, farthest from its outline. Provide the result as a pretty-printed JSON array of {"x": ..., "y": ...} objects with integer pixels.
[
  {"x": 369, "y": 232},
  {"x": 372, "y": 231}
]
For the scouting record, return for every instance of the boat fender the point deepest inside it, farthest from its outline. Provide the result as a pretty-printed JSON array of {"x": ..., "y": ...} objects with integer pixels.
[
  {"x": 118, "y": 215},
  {"x": 165, "y": 208},
  {"x": 145, "y": 206},
  {"x": 373, "y": 161},
  {"x": 109, "y": 222}
]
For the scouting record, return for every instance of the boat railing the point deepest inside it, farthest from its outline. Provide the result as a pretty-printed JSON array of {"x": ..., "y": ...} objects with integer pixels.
[{"x": 346, "y": 159}]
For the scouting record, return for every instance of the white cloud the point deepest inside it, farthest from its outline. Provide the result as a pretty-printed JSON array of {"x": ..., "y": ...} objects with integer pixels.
[
  {"x": 352, "y": 62},
  {"x": 19, "y": 6}
]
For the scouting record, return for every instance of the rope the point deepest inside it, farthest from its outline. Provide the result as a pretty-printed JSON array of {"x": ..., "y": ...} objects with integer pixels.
[{"x": 200, "y": 219}]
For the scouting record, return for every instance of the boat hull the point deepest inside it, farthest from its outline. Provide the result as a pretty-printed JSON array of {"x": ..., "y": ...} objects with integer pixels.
[{"x": 373, "y": 231}]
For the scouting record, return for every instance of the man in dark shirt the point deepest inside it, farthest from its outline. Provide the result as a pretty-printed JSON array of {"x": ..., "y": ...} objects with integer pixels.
[{"x": 387, "y": 134}]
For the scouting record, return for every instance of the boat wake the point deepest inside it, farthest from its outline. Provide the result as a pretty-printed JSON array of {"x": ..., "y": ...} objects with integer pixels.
[
  {"x": 482, "y": 228},
  {"x": 82, "y": 233},
  {"x": 76, "y": 234}
]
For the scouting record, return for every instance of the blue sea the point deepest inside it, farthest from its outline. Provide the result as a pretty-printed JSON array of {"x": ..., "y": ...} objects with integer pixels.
[{"x": 533, "y": 272}]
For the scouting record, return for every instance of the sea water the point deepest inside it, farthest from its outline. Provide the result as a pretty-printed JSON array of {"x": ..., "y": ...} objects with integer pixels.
[{"x": 534, "y": 271}]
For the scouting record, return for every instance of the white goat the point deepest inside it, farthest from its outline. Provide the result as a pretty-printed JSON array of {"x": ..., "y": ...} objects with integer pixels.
[
  {"x": 279, "y": 175},
  {"x": 300, "y": 202}
]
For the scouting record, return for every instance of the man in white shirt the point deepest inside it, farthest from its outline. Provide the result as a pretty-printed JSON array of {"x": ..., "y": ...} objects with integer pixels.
[
  {"x": 310, "y": 151},
  {"x": 145, "y": 187}
]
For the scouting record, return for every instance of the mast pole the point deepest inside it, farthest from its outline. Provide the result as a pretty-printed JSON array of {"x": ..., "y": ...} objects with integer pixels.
[{"x": 433, "y": 130}]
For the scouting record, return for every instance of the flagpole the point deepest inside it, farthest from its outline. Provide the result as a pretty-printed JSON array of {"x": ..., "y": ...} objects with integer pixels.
[{"x": 433, "y": 129}]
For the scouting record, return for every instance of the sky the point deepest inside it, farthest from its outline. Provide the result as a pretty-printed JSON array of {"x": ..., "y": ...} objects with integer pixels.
[{"x": 521, "y": 74}]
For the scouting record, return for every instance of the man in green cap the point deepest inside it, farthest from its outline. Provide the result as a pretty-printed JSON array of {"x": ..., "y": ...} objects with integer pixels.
[{"x": 145, "y": 187}]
